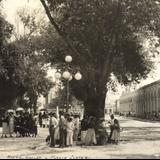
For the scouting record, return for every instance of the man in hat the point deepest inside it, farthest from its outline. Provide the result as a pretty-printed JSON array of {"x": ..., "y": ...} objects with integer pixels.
[
  {"x": 52, "y": 128},
  {"x": 63, "y": 131}
]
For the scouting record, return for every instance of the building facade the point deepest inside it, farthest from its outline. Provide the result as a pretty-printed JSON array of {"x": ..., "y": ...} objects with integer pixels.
[{"x": 143, "y": 102}]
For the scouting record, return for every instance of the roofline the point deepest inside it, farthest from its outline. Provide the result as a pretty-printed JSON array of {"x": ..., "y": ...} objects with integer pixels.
[
  {"x": 144, "y": 87},
  {"x": 150, "y": 85}
]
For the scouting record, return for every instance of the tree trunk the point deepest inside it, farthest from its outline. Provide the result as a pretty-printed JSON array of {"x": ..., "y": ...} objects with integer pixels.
[
  {"x": 35, "y": 105},
  {"x": 95, "y": 106}
]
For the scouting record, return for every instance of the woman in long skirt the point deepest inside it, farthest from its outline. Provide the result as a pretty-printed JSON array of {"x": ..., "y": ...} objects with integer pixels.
[
  {"x": 84, "y": 128},
  {"x": 5, "y": 127},
  {"x": 116, "y": 132},
  {"x": 90, "y": 138},
  {"x": 91, "y": 134},
  {"x": 11, "y": 124}
]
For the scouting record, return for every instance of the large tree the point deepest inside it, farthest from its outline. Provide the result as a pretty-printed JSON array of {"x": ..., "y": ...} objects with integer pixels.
[{"x": 104, "y": 37}]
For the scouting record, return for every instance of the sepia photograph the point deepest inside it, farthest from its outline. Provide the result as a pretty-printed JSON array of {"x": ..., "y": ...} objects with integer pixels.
[{"x": 79, "y": 79}]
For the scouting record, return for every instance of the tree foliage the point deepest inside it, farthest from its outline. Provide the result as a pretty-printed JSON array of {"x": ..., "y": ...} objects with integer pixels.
[
  {"x": 5, "y": 61},
  {"x": 22, "y": 70},
  {"x": 30, "y": 25},
  {"x": 35, "y": 81},
  {"x": 59, "y": 100},
  {"x": 104, "y": 37}
]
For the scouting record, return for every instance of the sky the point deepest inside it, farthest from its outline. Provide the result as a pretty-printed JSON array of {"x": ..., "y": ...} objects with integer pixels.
[{"x": 10, "y": 8}]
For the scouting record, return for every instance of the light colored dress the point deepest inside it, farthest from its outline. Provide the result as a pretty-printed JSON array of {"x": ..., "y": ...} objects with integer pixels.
[
  {"x": 70, "y": 133},
  {"x": 91, "y": 134},
  {"x": 83, "y": 136},
  {"x": 90, "y": 138},
  {"x": 11, "y": 125},
  {"x": 115, "y": 135},
  {"x": 5, "y": 129}
]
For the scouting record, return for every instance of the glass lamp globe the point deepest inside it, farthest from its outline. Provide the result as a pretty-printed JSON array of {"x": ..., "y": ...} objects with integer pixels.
[
  {"x": 78, "y": 76},
  {"x": 68, "y": 59},
  {"x": 66, "y": 75},
  {"x": 58, "y": 75}
]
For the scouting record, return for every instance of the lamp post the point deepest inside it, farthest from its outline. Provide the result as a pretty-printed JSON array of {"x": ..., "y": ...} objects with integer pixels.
[{"x": 68, "y": 76}]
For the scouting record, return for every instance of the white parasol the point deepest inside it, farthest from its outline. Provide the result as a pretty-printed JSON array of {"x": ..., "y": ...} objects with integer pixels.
[
  {"x": 10, "y": 111},
  {"x": 19, "y": 109}
]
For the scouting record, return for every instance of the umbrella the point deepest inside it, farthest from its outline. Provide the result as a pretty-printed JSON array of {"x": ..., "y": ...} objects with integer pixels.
[
  {"x": 19, "y": 109},
  {"x": 10, "y": 111}
]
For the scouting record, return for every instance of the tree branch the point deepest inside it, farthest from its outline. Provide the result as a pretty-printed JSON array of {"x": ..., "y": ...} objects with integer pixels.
[
  {"x": 108, "y": 63},
  {"x": 64, "y": 37}
]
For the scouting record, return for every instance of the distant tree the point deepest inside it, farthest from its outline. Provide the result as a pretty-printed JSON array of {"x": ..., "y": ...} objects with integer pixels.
[
  {"x": 104, "y": 37},
  {"x": 58, "y": 100},
  {"x": 22, "y": 70},
  {"x": 35, "y": 82},
  {"x": 28, "y": 25},
  {"x": 8, "y": 88}
]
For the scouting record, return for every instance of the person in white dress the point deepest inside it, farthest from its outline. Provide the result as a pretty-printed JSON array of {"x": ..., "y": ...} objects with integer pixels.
[
  {"x": 116, "y": 132},
  {"x": 11, "y": 124},
  {"x": 5, "y": 126}
]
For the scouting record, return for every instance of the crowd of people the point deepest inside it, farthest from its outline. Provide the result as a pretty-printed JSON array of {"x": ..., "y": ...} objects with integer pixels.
[
  {"x": 64, "y": 130},
  {"x": 20, "y": 124},
  {"x": 88, "y": 132}
]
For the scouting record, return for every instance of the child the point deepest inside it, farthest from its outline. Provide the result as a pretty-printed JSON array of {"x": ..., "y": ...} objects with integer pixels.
[
  {"x": 70, "y": 132},
  {"x": 116, "y": 132}
]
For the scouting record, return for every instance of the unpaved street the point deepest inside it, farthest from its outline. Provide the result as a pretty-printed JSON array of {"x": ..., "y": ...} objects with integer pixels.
[{"x": 138, "y": 140}]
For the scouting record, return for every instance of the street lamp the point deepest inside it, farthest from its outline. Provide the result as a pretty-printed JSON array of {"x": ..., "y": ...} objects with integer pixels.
[
  {"x": 78, "y": 76},
  {"x": 66, "y": 75},
  {"x": 68, "y": 59},
  {"x": 58, "y": 75}
]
